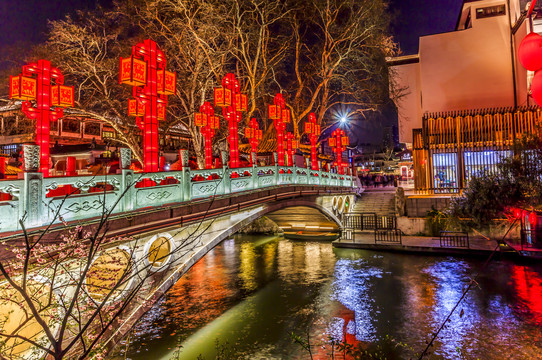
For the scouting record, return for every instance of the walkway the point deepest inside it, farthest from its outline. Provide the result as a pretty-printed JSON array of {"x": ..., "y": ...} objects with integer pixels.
[{"x": 417, "y": 244}]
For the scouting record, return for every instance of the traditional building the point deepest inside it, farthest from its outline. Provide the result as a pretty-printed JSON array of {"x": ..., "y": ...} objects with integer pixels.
[{"x": 465, "y": 95}]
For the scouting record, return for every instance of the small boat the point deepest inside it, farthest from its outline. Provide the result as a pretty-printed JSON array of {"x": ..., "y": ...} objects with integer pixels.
[{"x": 310, "y": 235}]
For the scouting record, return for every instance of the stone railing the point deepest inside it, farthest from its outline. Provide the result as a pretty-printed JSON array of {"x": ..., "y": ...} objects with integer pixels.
[{"x": 39, "y": 201}]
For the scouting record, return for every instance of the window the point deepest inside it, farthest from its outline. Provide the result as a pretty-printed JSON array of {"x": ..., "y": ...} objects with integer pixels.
[
  {"x": 445, "y": 172},
  {"x": 490, "y": 11}
]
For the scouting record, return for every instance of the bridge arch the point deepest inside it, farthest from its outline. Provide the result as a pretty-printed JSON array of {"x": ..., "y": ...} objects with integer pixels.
[{"x": 208, "y": 234}]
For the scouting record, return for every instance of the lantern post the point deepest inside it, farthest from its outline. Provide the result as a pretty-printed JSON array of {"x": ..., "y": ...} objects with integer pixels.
[
  {"x": 280, "y": 116},
  {"x": 290, "y": 144},
  {"x": 208, "y": 122},
  {"x": 232, "y": 102},
  {"x": 338, "y": 141},
  {"x": 145, "y": 70},
  {"x": 254, "y": 134},
  {"x": 26, "y": 87},
  {"x": 314, "y": 131}
]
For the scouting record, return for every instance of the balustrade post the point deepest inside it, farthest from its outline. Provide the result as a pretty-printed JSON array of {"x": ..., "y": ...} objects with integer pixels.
[
  {"x": 226, "y": 180},
  {"x": 32, "y": 197},
  {"x": 254, "y": 171},
  {"x": 276, "y": 158},
  {"x": 186, "y": 180},
  {"x": 294, "y": 174},
  {"x": 127, "y": 182}
]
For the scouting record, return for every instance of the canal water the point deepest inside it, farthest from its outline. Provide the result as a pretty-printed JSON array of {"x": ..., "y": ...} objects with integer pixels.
[{"x": 252, "y": 295}]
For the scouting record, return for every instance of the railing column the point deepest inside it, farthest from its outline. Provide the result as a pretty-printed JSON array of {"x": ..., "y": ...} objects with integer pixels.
[
  {"x": 186, "y": 180},
  {"x": 226, "y": 179},
  {"x": 127, "y": 182},
  {"x": 32, "y": 196},
  {"x": 254, "y": 171},
  {"x": 276, "y": 158},
  {"x": 294, "y": 177}
]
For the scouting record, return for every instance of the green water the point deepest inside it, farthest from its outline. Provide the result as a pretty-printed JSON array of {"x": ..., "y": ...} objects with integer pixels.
[{"x": 250, "y": 293}]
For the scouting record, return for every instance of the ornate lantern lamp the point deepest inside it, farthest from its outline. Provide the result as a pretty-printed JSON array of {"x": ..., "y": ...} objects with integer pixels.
[
  {"x": 145, "y": 70},
  {"x": 291, "y": 146},
  {"x": 35, "y": 83},
  {"x": 338, "y": 141},
  {"x": 280, "y": 116},
  {"x": 314, "y": 131},
  {"x": 208, "y": 124},
  {"x": 254, "y": 134},
  {"x": 232, "y": 102}
]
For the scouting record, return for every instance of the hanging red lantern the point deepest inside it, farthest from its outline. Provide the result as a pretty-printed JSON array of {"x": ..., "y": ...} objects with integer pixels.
[
  {"x": 240, "y": 102},
  {"x": 332, "y": 142},
  {"x": 161, "y": 111},
  {"x": 249, "y": 132},
  {"x": 200, "y": 119},
  {"x": 274, "y": 112},
  {"x": 132, "y": 71},
  {"x": 259, "y": 135},
  {"x": 22, "y": 88},
  {"x": 285, "y": 116},
  {"x": 135, "y": 108},
  {"x": 222, "y": 97},
  {"x": 215, "y": 122},
  {"x": 167, "y": 81},
  {"x": 530, "y": 52},
  {"x": 309, "y": 127},
  {"x": 62, "y": 96}
]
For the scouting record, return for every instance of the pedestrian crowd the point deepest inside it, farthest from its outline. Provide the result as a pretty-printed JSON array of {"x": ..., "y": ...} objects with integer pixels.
[{"x": 378, "y": 180}]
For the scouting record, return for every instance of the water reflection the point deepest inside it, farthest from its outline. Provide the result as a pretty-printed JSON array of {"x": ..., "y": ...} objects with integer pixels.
[{"x": 251, "y": 293}]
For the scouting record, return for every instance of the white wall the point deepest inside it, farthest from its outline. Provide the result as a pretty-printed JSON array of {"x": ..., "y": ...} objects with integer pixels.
[
  {"x": 407, "y": 82},
  {"x": 468, "y": 69}
]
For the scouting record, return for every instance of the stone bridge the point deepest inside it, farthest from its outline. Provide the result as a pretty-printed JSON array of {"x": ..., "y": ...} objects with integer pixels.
[{"x": 167, "y": 221}]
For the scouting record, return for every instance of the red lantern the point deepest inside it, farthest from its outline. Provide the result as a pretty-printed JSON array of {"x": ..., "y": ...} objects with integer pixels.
[
  {"x": 22, "y": 88},
  {"x": 200, "y": 119},
  {"x": 222, "y": 97},
  {"x": 249, "y": 132},
  {"x": 132, "y": 71},
  {"x": 161, "y": 111},
  {"x": 530, "y": 52},
  {"x": 285, "y": 115},
  {"x": 332, "y": 142},
  {"x": 167, "y": 82},
  {"x": 240, "y": 102},
  {"x": 215, "y": 122},
  {"x": 309, "y": 127},
  {"x": 135, "y": 108},
  {"x": 345, "y": 141},
  {"x": 274, "y": 112},
  {"x": 62, "y": 96}
]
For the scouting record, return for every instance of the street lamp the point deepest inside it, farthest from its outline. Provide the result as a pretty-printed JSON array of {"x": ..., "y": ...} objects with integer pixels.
[
  {"x": 26, "y": 87},
  {"x": 145, "y": 70}
]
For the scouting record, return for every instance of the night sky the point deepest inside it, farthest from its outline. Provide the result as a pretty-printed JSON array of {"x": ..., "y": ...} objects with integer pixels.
[{"x": 26, "y": 20}]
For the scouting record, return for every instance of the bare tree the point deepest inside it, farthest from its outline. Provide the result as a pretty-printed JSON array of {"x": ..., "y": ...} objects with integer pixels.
[
  {"x": 87, "y": 48},
  {"x": 339, "y": 50}
]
